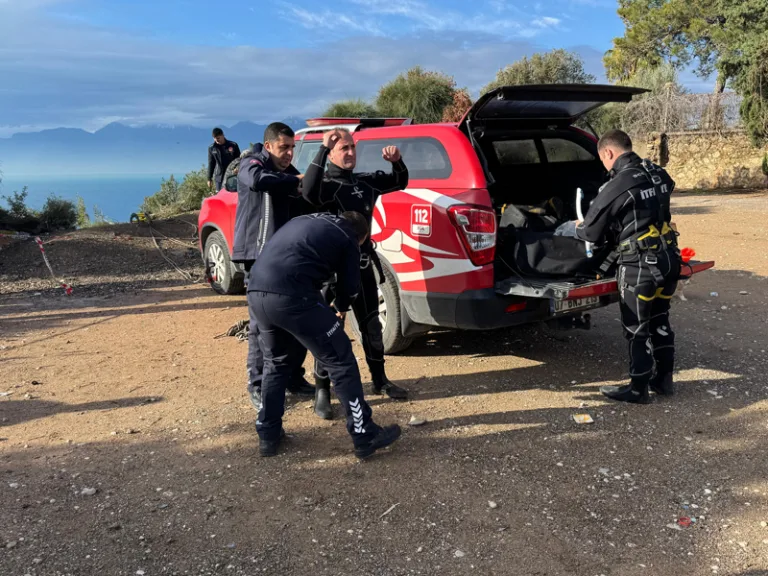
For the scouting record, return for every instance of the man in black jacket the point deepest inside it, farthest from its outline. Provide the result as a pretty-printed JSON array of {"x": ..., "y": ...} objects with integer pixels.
[
  {"x": 220, "y": 154},
  {"x": 632, "y": 212},
  {"x": 343, "y": 190},
  {"x": 268, "y": 197},
  {"x": 284, "y": 297}
]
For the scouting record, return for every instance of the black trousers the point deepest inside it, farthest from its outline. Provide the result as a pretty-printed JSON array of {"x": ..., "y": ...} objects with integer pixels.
[
  {"x": 645, "y": 302},
  {"x": 255, "y": 360},
  {"x": 366, "y": 310},
  {"x": 288, "y": 326}
]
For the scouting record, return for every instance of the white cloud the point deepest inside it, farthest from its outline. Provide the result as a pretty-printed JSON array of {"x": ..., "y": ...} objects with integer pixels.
[{"x": 546, "y": 22}]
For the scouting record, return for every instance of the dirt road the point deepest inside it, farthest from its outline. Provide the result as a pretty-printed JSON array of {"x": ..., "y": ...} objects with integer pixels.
[{"x": 127, "y": 445}]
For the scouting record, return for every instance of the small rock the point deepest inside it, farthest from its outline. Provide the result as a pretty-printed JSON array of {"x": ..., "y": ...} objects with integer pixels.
[
  {"x": 714, "y": 294},
  {"x": 139, "y": 572},
  {"x": 492, "y": 505},
  {"x": 604, "y": 471},
  {"x": 707, "y": 491},
  {"x": 35, "y": 383},
  {"x": 458, "y": 554},
  {"x": 13, "y": 485},
  {"x": 744, "y": 293},
  {"x": 11, "y": 544},
  {"x": 37, "y": 560},
  {"x": 764, "y": 524},
  {"x": 673, "y": 527},
  {"x": 560, "y": 464},
  {"x": 419, "y": 549},
  {"x": 88, "y": 491},
  {"x": 417, "y": 421}
]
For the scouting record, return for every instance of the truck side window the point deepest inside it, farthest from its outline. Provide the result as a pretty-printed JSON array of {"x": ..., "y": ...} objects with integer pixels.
[
  {"x": 426, "y": 158},
  {"x": 306, "y": 153},
  {"x": 561, "y": 150},
  {"x": 515, "y": 152}
]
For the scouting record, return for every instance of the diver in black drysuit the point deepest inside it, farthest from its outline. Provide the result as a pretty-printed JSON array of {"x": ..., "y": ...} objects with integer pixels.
[
  {"x": 632, "y": 212},
  {"x": 343, "y": 190}
]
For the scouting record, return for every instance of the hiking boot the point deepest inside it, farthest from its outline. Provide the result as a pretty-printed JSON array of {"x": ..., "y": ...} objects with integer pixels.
[
  {"x": 663, "y": 384},
  {"x": 383, "y": 386},
  {"x": 323, "y": 398},
  {"x": 268, "y": 448},
  {"x": 384, "y": 437},
  {"x": 636, "y": 392}
]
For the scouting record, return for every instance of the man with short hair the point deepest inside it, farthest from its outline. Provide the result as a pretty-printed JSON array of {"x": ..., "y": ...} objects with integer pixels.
[
  {"x": 268, "y": 197},
  {"x": 220, "y": 154},
  {"x": 632, "y": 212},
  {"x": 292, "y": 316},
  {"x": 344, "y": 190}
]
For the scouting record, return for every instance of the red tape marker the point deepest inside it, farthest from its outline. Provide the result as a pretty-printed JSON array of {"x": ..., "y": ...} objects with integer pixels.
[{"x": 67, "y": 287}]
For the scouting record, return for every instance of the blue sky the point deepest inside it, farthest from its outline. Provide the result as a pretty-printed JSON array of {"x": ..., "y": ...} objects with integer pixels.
[{"x": 85, "y": 63}]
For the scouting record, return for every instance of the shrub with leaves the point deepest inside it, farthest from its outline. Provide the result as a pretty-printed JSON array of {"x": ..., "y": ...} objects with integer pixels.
[
  {"x": 58, "y": 214},
  {"x": 176, "y": 197},
  {"x": 417, "y": 94}
]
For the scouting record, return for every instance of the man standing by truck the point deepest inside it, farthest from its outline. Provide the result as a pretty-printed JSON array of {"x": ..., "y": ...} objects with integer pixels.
[
  {"x": 632, "y": 212},
  {"x": 343, "y": 190},
  {"x": 268, "y": 197},
  {"x": 220, "y": 154}
]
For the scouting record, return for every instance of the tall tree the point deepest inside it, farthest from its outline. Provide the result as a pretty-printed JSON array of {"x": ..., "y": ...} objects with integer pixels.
[
  {"x": 417, "y": 94},
  {"x": 553, "y": 67},
  {"x": 729, "y": 37},
  {"x": 351, "y": 109}
]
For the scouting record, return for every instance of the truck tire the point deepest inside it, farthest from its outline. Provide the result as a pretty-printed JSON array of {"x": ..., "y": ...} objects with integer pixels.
[
  {"x": 224, "y": 279},
  {"x": 389, "y": 316}
]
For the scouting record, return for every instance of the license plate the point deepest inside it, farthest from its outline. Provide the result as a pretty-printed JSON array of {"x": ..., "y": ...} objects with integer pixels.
[{"x": 565, "y": 306}]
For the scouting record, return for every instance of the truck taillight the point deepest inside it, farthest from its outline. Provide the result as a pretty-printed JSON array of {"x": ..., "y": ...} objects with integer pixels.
[{"x": 477, "y": 230}]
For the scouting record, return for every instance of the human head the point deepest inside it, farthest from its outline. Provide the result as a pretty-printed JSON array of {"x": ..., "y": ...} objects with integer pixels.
[
  {"x": 359, "y": 224},
  {"x": 279, "y": 142},
  {"x": 218, "y": 136},
  {"x": 613, "y": 144},
  {"x": 344, "y": 154}
]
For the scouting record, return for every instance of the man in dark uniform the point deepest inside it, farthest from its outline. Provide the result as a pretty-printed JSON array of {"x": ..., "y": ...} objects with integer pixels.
[
  {"x": 268, "y": 197},
  {"x": 220, "y": 154},
  {"x": 284, "y": 297},
  {"x": 632, "y": 212},
  {"x": 343, "y": 190}
]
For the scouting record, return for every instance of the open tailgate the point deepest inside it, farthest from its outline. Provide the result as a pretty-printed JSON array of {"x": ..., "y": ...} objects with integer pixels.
[
  {"x": 564, "y": 290},
  {"x": 552, "y": 104}
]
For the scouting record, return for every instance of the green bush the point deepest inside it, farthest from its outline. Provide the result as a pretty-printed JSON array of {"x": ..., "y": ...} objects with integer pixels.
[
  {"x": 83, "y": 220},
  {"x": 58, "y": 214},
  {"x": 17, "y": 202},
  {"x": 765, "y": 164},
  {"x": 176, "y": 197}
]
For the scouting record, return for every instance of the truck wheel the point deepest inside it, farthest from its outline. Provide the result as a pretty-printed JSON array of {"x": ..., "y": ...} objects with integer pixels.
[
  {"x": 224, "y": 279},
  {"x": 389, "y": 316}
]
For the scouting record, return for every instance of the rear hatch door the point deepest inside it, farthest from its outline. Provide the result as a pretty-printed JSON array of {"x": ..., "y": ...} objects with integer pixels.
[{"x": 544, "y": 105}]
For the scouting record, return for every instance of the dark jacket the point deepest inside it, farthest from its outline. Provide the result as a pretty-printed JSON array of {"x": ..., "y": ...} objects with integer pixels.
[
  {"x": 343, "y": 190},
  {"x": 636, "y": 197},
  {"x": 305, "y": 254},
  {"x": 219, "y": 157},
  {"x": 266, "y": 200}
]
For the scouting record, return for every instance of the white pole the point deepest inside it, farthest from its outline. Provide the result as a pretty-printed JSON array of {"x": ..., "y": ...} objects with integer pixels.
[{"x": 580, "y": 214}]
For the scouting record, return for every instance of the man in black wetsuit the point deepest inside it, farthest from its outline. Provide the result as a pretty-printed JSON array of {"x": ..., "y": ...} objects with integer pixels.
[
  {"x": 343, "y": 190},
  {"x": 632, "y": 212}
]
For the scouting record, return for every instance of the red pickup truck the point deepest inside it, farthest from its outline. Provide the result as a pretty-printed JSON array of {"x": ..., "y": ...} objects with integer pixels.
[{"x": 437, "y": 240}]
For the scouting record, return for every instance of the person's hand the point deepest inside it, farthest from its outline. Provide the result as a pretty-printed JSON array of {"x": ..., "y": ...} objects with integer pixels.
[
  {"x": 391, "y": 154},
  {"x": 300, "y": 176},
  {"x": 578, "y": 222},
  {"x": 330, "y": 139},
  {"x": 210, "y": 184},
  {"x": 341, "y": 315}
]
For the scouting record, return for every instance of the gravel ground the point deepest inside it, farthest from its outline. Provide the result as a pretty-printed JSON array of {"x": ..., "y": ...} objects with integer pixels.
[{"x": 127, "y": 445}]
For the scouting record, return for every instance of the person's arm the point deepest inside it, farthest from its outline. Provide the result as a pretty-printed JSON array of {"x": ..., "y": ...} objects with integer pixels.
[
  {"x": 598, "y": 218},
  {"x": 211, "y": 166},
  {"x": 348, "y": 277},
  {"x": 253, "y": 175},
  {"x": 237, "y": 149},
  {"x": 312, "y": 188},
  {"x": 396, "y": 180}
]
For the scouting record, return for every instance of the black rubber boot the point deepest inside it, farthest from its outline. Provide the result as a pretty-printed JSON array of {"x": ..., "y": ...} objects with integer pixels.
[
  {"x": 383, "y": 438},
  {"x": 636, "y": 392},
  {"x": 663, "y": 384},
  {"x": 383, "y": 386},
  {"x": 269, "y": 449},
  {"x": 323, "y": 398},
  {"x": 301, "y": 387}
]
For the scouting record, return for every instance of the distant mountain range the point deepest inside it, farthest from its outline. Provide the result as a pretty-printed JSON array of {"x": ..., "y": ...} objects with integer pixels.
[{"x": 119, "y": 149}]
